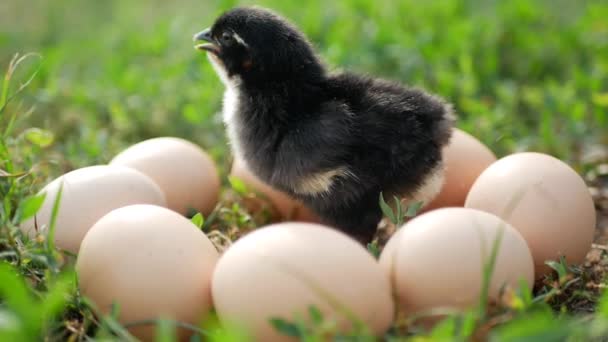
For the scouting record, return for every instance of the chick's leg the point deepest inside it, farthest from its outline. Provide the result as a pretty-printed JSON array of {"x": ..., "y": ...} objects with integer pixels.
[{"x": 359, "y": 220}]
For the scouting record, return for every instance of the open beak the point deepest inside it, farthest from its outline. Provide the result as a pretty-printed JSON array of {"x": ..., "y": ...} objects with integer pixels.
[{"x": 205, "y": 36}]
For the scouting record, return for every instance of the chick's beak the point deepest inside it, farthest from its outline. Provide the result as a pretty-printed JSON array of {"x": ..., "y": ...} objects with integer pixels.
[{"x": 210, "y": 46}]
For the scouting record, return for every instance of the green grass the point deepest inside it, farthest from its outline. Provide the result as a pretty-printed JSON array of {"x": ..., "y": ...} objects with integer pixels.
[{"x": 523, "y": 75}]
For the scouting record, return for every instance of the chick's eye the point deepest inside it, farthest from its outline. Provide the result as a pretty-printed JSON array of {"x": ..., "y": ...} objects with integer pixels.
[{"x": 226, "y": 38}]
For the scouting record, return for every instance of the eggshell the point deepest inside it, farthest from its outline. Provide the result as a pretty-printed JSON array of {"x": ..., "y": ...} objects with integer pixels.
[
  {"x": 436, "y": 260},
  {"x": 465, "y": 158},
  {"x": 88, "y": 194},
  {"x": 287, "y": 207},
  {"x": 280, "y": 270},
  {"x": 152, "y": 262},
  {"x": 185, "y": 173},
  {"x": 543, "y": 198}
]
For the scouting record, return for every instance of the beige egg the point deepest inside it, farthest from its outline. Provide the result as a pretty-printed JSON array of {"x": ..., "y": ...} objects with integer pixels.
[
  {"x": 185, "y": 173},
  {"x": 286, "y": 207},
  {"x": 543, "y": 198},
  {"x": 465, "y": 158},
  {"x": 152, "y": 262},
  {"x": 282, "y": 269},
  {"x": 435, "y": 261},
  {"x": 88, "y": 194}
]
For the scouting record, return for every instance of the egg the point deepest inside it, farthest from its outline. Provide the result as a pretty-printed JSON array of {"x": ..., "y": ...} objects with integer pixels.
[
  {"x": 543, "y": 198},
  {"x": 88, "y": 194},
  {"x": 186, "y": 174},
  {"x": 280, "y": 270},
  {"x": 286, "y": 207},
  {"x": 465, "y": 158},
  {"x": 436, "y": 260},
  {"x": 152, "y": 262}
]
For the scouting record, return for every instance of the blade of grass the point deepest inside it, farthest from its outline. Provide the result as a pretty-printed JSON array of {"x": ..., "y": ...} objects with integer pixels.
[
  {"x": 6, "y": 98},
  {"x": 412, "y": 209},
  {"x": 165, "y": 331},
  {"x": 177, "y": 324},
  {"x": 488, "y": 267},
  {"x": 50, "y": 241},
  {"x": 6, "y": 83},
  {"x": 198, "y": 220},
  {"x": 488, "y": 270},
  {"x": 386, "y": 209},
  {"x": 29, "y": 207},
  {"x": 399, "y": 210}
]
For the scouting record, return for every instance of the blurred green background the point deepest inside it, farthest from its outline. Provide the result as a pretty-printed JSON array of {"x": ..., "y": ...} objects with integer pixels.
[{"x": 523, "y": 75}]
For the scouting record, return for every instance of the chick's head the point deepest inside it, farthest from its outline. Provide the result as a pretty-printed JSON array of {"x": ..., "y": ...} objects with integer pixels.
[{"x": 256, "y": 45}]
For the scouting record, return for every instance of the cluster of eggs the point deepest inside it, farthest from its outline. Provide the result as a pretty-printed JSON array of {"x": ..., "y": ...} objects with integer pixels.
[{"x": 137, "y": 250}]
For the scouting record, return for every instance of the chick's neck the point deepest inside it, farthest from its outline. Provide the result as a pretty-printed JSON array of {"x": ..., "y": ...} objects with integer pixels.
[{"x": 271, "y": 111}]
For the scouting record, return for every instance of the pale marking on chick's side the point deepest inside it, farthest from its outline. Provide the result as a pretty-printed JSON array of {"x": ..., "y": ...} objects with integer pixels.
[
  {"x": 321, "y": 182},
  {"x": 229, "y": 116},
  {"x": 430, "y": 188},
  {"x": 436, "y": 178},
  {"x": 239, "y": 39},
  {"x": 230, "y": 105}
]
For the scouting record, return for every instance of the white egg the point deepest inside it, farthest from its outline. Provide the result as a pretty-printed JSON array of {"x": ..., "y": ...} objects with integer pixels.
[
  {"x": 281, "y": 270},
  {"x": 152, "y": 262},
  {"x": 545, "y": 200},
  {"x": 88, "y": 194},
  {"x": 437, "y": 260},
  {"x": 465, "y": 158},
  {"x": 184, "y": 172}
]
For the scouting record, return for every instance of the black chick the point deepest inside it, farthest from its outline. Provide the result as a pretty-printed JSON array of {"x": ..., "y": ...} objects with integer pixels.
[{"x": 334, "y": 141}]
